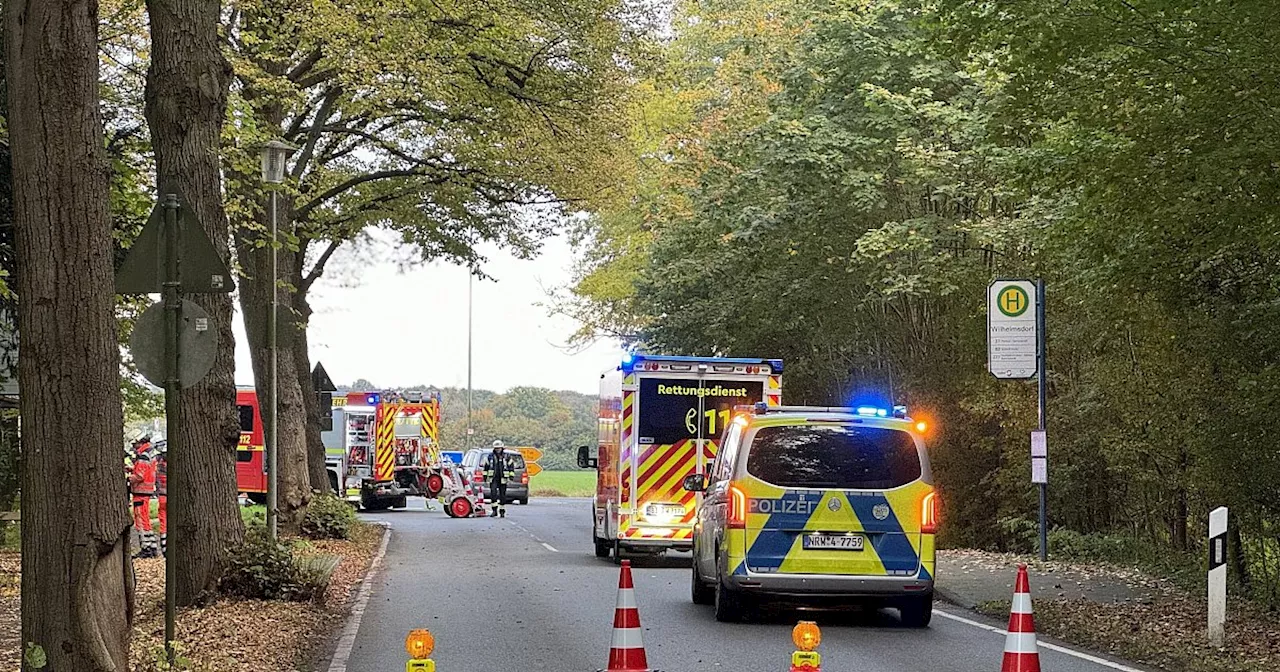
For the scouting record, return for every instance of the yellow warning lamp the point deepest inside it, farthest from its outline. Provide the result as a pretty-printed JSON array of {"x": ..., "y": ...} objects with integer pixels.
[
  {"x": 807, "y": 637},
  {"x": 419, "y": 644}
]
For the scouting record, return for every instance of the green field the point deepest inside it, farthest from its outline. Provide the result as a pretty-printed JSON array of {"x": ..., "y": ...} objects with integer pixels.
[{"x": 564, "y": 483}]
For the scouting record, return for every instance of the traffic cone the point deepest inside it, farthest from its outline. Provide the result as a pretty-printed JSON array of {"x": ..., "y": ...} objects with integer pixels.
[
  {"x": 626, "y": 652},
  {"x": 481, "y": 510},
  {"x": 1020, "y": 652}
]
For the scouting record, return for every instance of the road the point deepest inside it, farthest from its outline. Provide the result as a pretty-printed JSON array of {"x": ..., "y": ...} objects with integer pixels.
[{"x": 526, "y": 593}]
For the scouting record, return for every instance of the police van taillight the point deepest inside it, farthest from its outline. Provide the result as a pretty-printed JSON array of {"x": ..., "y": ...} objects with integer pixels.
[
  {"x": 737, "y": 514},
  {"x": 929, "y": 514}
]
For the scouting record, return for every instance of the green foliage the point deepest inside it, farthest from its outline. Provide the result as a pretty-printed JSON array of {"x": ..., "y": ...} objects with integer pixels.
[
  {"x": 580, "y": 483},
  {"x": 556, "y": 422},
  {"x": 261, "y": 569},
  {"x": 329, "y": 517},
  {"x": 836, "y": 183},
  {"x": 158, "y": 659},
  {"x": 34, "y": 656}
]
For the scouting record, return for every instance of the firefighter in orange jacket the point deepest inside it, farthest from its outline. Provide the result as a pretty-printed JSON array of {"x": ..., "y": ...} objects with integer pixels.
[
  {"x": 142, "y": 483},
  {"x": 162, "y": 492}
]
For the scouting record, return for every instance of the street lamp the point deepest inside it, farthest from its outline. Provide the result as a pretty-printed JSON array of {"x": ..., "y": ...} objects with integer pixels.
[{"x": 274, "y": 155}]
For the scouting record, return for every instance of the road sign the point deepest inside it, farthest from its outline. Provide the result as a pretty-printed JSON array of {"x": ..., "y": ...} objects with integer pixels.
[
  {"x": 203, "y": 271},
  {"x": 1039, "y": 457},
  {"x": 530, "y": 453},
  {"x": 320, "y": 379},
  {"x": 199, "y": 344},
  {"x": 534, "y": 468},
  {"x": 1011, "y": 329}
]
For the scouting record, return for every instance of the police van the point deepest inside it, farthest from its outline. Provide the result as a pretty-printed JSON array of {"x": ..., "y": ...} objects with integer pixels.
[{"x": 812, "y": 503}]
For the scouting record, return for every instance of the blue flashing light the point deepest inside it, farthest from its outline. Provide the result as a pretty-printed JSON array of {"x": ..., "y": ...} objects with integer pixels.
[
  {"x": 628, "y": 358},
  {"x": 882, "y": 413},
  {"x": 373, "y": 399},
  {"x": 867, "y": 410}
]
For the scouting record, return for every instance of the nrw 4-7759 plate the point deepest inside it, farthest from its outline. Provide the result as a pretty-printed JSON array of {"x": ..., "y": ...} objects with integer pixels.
[{"x": 834, "y": 542}]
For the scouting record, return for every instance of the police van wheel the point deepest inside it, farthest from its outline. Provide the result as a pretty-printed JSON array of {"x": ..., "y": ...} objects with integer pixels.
[
  {"x": 728, "y": 604},
  {"x": 699, "y": 591},
  {"x": 916, "y": 610}
]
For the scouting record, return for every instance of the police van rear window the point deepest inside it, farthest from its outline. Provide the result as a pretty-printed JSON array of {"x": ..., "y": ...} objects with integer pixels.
[{"x": 844, "y": 457}]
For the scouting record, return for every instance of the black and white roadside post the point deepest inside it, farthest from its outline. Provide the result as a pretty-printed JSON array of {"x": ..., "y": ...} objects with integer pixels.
[
  {"x": 1016, "y": 351},
  {"x": 173, "y": 342},
  {"x": 1217, "y": 576}
]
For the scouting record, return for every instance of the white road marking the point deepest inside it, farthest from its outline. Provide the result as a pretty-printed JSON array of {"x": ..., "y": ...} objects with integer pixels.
[
  {"x": 347, "y": 641},
  {"x": 1052, "y": 647},
  {"x": 549, "y": 547}
]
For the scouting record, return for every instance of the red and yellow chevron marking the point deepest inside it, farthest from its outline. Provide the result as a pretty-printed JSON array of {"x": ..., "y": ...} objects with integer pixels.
[
  {"x": 385, "y": 443},
  {"x": 773, "y": 391},
  {"x": 624, "y": 451},
  {"x": 662, "y": 470},
  {"x": 431, "y": 432}
]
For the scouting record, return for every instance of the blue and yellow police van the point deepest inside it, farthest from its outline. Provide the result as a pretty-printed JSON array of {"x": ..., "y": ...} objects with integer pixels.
[{"x": 817, "y": 505}]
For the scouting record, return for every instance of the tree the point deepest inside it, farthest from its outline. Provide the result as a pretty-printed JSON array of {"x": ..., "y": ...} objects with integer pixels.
[
  {"x": 77, "y": 587},
  {"x": 186, "y": 93},
  {"x": 450, "y": 124}
]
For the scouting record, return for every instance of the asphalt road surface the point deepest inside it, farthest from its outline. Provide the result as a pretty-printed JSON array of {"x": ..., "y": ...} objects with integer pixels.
[{"x": 526, "y": 593}]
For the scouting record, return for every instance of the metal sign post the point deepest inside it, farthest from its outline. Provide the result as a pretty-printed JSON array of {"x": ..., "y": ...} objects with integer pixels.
[
  {"x": 1217, "y": 576},
  {"x": 172, "y": 255},
  {"x": 1042, "y": 385},
  {"x": 1016, "y": 351}
]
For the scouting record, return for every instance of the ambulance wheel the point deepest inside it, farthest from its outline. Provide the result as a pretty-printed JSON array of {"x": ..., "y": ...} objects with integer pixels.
[
  {"x": 698, "y": 589},
  {"x": 435, "y": 483},
  {"x": 916, "y": 610},
  {"x": 617, "y": 552},
  {"x": 602, "y": 548},
  {"x": 460, "y": 507}
]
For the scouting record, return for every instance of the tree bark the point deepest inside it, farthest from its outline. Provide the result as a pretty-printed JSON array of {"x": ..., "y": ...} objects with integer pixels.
[
  {"x": 186, "y": 101},
  {"x": 254, "y": 252},
  {"x": 302, "y": 362},
  {"x": 77, "y": 581}
]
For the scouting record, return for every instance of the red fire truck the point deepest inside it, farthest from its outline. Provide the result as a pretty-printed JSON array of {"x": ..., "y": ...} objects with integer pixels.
[{"x": 251, "y": 468}]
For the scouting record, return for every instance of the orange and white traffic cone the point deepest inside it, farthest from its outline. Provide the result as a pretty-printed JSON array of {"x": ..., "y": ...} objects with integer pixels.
[
  {"x": 626, "y": 652},
  {"x": 1020, "y": 652}
]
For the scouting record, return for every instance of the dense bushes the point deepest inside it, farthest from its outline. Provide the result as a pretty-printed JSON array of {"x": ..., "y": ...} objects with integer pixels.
[
  {"x": 266, "y": 570},
  {"x": 329, "y": 517}
]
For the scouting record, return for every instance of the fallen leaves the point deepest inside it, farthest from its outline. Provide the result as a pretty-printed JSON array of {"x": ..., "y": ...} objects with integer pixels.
[{"x": 226, "y": 635}]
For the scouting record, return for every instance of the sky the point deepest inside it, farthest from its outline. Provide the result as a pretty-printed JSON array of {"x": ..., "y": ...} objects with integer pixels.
[{"x": 357, "y": 306}]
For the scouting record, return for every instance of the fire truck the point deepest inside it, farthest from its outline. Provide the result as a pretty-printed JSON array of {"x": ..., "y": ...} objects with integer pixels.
[
  {"x": 390, "y": 445},
  {"x": 660, "y": 420},
  {"x": 251, "y": 468}
]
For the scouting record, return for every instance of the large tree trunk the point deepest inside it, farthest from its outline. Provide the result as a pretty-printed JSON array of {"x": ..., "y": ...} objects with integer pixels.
[
  {"x": 302, "y": 363},
  {"x": 186, "y": 100},
  {"x": 254, "y": 252},
  {"x": 77, "y": 585}
]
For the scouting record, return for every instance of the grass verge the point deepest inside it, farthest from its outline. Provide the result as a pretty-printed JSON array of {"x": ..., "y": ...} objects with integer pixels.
[{"x": 564, "y": 484}]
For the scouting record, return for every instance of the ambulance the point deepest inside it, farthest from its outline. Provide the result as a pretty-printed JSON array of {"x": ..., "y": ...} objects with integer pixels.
[{"x": 660, "y": 420}]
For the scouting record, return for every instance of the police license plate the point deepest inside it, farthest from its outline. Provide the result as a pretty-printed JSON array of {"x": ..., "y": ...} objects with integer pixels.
[{"x": 834, "y": 542}]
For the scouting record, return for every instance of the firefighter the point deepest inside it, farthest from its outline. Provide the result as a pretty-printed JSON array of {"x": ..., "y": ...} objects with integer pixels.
[
  {"x": 498, "y": 472},
  {"x": 162, "y": 492},
  {"x": 142, "y": 483}
]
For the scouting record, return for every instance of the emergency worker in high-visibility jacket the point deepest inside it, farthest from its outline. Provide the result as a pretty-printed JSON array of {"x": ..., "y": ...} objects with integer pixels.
[
  {"x": 497, "y": 471},
  {"x": 162, "y": 493},
  {"x": 142, "y": 483}
]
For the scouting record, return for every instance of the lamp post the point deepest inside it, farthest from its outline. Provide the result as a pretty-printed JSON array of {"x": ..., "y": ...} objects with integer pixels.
[{"x": 274, "y": 155}]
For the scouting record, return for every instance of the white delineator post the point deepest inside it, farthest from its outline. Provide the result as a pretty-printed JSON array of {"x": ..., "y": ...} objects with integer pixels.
[{"x": 1217, "y": 576}]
